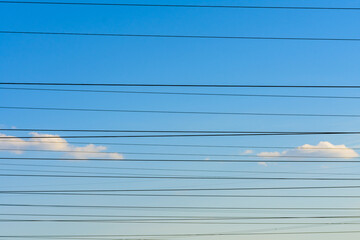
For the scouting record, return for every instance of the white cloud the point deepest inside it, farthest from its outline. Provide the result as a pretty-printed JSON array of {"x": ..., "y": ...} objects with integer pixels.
[
  {"x": 55, "y": 143},
  {"x": 263, "y": 164},
  {"x": 323, "y": 149},
  {"x": 248, "y": 151}
]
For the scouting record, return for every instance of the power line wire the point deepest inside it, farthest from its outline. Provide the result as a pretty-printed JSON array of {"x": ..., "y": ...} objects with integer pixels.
[
  {"x": 181, "y": 154},
  {"x": 183, "y": 145},
  {"x": 183, "y": 112},
  {"x": 181, "y": 177},
  {"x": 178, "y": 160},
  {"x": 186, "y": 93},
  {"x": 177, "y": 85},
  {"x": 182, "y": 234},
  {"x": 212, "y": 133},
  {"x": 180, "y": 207},
  {"x": 172, "y": 217},
  {"x": 177, "y": 36},
  {"x": 182, "y": 195},
  {"x": 176, "y": 170},
  {"x": 169, "y": 131},
  {"x": 180, "y": 189},
  {"x": 180, "y": 5},
  {"x": 227, "y": 222}
]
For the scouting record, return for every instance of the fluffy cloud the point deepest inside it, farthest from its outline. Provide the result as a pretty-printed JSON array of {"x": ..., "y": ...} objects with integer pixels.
[
  {"x": 248, "y": 151},
  {"x": 56, "y": 144},
  {"x": 263, "y": 164},
  {"x": 323, "y": 149}
]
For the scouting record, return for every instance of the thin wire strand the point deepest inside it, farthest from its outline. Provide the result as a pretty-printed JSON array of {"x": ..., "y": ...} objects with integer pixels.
[
  {"x": 185, "y": 145},
  {"x": 176, "y": 85},
  {"x": 175, "y": 170},
  {"x": 183, "y": 112},
  {"x": 178, "y": 160},
  {"x": 186, "y": 93},
  {"x": 180, "y": 5},
  {"x": 88, "y": 34},
  {"x": 206, "y": 208},
  {"x": 180, "y": 189},
  {"x": 181, "y": 177}
]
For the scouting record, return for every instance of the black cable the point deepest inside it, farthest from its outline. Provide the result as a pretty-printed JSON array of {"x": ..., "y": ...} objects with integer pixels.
[
  {"x": 187, "y": 145},
  {"x": 227, "y": 222},
  {"x": 172, "y": 217},
  {"x": 178, "y": 160},
  {"x": 180, "y": 189},
  {"x": 179, "y": 5},
  {"x": 177, "y": 85},
  {"x": 180, "y": 234},
  {"x": 183, "y": 195},
  {"x": 215, "y": 134},
  {"x": 183, "y": 112},
  {"x": 177, "y": 154},
  {"x": 186, "y": 93},
  {"x": 178, "y": 36},
  {"x": 180, "y": 177},
  {"x": 169, "y": 131},
  {"x": 174, "y": 135},
  {"x": 180, "y": 207},
  {"x": 170, "y": 169},
  {"x": 52, "y": 171}
]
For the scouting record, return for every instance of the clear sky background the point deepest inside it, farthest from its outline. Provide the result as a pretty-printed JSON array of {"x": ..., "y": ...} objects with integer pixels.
[{"x": 67, "y": 59}]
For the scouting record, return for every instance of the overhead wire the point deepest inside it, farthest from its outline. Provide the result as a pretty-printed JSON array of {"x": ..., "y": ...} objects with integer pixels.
[
  {"x": 180, "y": 160},
  {"x": 184, "y": 112},
  {"x": 174, "y": 170},
  {"x": 177, "y": 85},
  {"x": 180, "y": 5},
  {"x": 187, "y": 93},
  {"x": 185, "y": 234},
  {"x": 182, "y": 177},
  {"x": 174, "y": 36},
  {"x": 186, "y": 145},
  {"x": 182, "y": 189},
  {"x": 191, "y": 133},
  {"x": 184, "y": 154},
  {"x": 169, "y": 217},
  {"x": 192, "y": 208}
]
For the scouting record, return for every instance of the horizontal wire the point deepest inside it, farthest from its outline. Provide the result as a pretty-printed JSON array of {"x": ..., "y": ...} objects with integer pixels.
[
  {"x": 185, "y": 93},
  {"x": 52, "y": 171},
  {"x": 215, "y": 134},
  {"x": 180, "y": 195},
  {"x": 228, "y": 223},
  {"x": 180, "y": 189},
  {"x": 184, "y": 234},
  {"x": 184, "y": 112},
  {"x": 181, "y": 177},
  {"x": 184, "y": 145},
  {"x": 180, "y": 154},
  {"x": 179, "y": 160},
  {"x": 181, "y": 207},
  {"x": 176, "y": 85},
  {"x": 167, "y": 131},
  {"x": 160, "y": 217},
  {"x": 169, "y": 169},
  {"x": 177, "y": 36},
  {"x": 188, "y": 135},
  {"x": 179, "y": 5}
]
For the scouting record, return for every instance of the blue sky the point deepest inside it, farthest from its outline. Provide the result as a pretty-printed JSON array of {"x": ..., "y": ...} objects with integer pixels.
[{"x": 30, "y": 58}]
